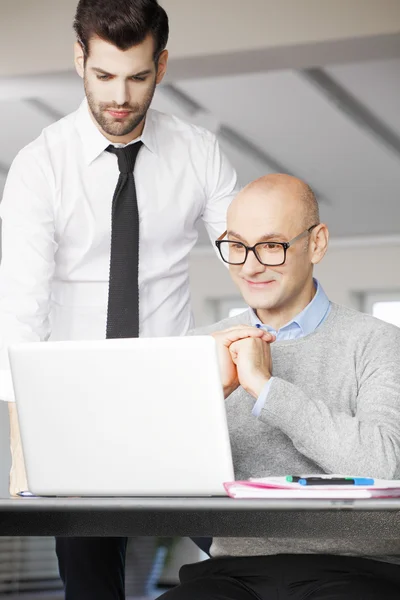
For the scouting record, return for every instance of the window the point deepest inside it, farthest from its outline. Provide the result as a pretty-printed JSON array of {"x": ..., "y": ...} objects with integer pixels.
[
  {"x": 236, "y": 311},
  {"x": 384, "y": 306}
]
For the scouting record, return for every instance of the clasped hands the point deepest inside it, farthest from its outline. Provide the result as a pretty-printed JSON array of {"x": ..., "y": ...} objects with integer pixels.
[{"x": 244, "y": 356}]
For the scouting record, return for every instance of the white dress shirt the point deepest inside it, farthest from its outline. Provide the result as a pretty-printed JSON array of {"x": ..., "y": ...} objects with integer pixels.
[{"x": 56, "y": 229}]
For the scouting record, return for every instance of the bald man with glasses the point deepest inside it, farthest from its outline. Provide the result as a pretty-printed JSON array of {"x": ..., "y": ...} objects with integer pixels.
[{"x": 310, "y": 387}]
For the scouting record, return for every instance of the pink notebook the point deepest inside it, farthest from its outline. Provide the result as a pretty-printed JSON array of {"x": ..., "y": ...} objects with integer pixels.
[{"x": 280, "y": 488}]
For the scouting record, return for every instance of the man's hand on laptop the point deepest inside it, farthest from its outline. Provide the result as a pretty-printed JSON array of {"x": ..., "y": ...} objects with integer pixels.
[
  {"x": 225, "y": 339},
  {"x": 252, "y": 357}
]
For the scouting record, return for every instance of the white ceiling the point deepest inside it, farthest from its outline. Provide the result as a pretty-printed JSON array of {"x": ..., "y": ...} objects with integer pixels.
[
  {"x": 377, "y": 84},
  {"x": 289, "y": 120}
]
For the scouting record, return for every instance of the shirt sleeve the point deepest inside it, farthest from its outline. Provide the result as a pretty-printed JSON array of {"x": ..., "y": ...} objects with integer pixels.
[
  {"x": 361, "y": 441},
  {"x": 262, "y": 398},
  {"x": 221, "y": 187},
  {"x": 27, "y": 264}
]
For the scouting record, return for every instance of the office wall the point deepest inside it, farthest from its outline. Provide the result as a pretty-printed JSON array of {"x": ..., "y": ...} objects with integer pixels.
[
  {"x": 350, "y": 269},
  {"x": 331, "y": 30}
]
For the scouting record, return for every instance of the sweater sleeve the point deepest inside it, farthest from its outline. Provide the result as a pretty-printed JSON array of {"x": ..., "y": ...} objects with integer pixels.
[{"x": 364, "y": 439}]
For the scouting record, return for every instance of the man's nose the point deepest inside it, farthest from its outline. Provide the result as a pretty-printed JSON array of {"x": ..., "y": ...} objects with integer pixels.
[
  {"x": 121, "y": 94},
  {"x": 252, "y": 264}
]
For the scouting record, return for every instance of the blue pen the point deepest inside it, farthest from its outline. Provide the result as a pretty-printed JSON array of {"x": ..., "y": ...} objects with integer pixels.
[
  {"x": 361, "y": 480},
  {"x": 336, "y": 481}
]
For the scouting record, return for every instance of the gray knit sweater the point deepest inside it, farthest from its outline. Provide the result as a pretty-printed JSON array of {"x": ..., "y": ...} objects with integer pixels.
[{"x": 333, "y": 407}]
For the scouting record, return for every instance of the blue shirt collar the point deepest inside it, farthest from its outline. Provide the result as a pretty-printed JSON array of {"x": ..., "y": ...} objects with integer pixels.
[{"x": 309, "y": 319}]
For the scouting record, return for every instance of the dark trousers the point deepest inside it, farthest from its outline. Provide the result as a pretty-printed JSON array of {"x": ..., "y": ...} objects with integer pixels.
[
  {"x": 288, "y": 577},
  {"x": 94, "y": 568}
]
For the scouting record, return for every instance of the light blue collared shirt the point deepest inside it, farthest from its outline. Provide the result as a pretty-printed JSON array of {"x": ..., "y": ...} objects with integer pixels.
[{"x": 303, "y": 324}]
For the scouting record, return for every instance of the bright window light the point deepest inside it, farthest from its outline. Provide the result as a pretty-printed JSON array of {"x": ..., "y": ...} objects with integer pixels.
[
  {"x": 236, "y": 311},
  {"x": 387, "y": 311}
]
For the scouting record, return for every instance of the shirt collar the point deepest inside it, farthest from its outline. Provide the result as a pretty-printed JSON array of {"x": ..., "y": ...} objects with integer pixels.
[
  {"x": 308, "y": 319},
  {"x": 94, "y": 142}
]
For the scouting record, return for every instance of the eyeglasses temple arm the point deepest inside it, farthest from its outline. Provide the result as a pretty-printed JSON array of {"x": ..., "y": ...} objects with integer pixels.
[{"x": 301, "y": 235}]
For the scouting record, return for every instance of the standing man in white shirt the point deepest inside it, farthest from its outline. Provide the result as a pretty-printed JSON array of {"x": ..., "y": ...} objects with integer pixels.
[{"x": 110, "y": 182}]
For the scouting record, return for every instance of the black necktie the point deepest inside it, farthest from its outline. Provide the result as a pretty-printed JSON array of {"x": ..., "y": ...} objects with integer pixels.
[{"x": 123, "y": 288}]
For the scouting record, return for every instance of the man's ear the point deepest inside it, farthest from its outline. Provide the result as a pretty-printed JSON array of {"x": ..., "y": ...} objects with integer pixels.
[
  {"x": 79, "y": 59},
  {"x": 162, "y": 66},
  {"x": 319, "y": 243}
]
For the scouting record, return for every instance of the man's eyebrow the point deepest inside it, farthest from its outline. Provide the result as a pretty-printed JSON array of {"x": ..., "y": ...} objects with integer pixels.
[
  {"x": 140, "y": 74},
  {"x": 98, "y": 70},
  {"x": 263, "y": 238}
]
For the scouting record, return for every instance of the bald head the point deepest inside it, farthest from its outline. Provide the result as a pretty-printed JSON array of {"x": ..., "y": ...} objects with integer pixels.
[
  {"x": 294, "y": 192},
  {"x": 271, "y": 246}
]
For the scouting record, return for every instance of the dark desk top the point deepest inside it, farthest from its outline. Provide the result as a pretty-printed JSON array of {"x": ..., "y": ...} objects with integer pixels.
[{"x": 198, "y": 517}]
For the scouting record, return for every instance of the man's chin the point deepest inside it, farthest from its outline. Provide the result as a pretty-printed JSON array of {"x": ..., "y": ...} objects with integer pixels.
[
  {"x": 259, "y": 301},
  {"x": 118, "y": 130},
  {"x": 115, "y": 127}
]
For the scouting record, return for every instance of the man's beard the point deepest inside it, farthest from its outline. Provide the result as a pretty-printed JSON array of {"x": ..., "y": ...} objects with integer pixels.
[{"x": 119, "y": 127}]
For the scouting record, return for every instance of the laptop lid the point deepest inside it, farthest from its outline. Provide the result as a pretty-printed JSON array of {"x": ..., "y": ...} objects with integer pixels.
[{"x": 130, "y": 417}]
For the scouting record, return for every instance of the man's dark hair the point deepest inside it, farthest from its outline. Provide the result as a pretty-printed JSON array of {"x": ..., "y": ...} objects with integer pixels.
[{"x": 124, "y": 23}]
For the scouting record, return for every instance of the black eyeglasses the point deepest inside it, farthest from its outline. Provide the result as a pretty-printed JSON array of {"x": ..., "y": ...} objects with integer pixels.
[{"x": 269, "y": 254}]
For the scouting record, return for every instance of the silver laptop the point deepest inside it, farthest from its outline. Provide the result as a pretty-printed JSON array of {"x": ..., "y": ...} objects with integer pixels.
[{"x": 131, "y": 417}]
